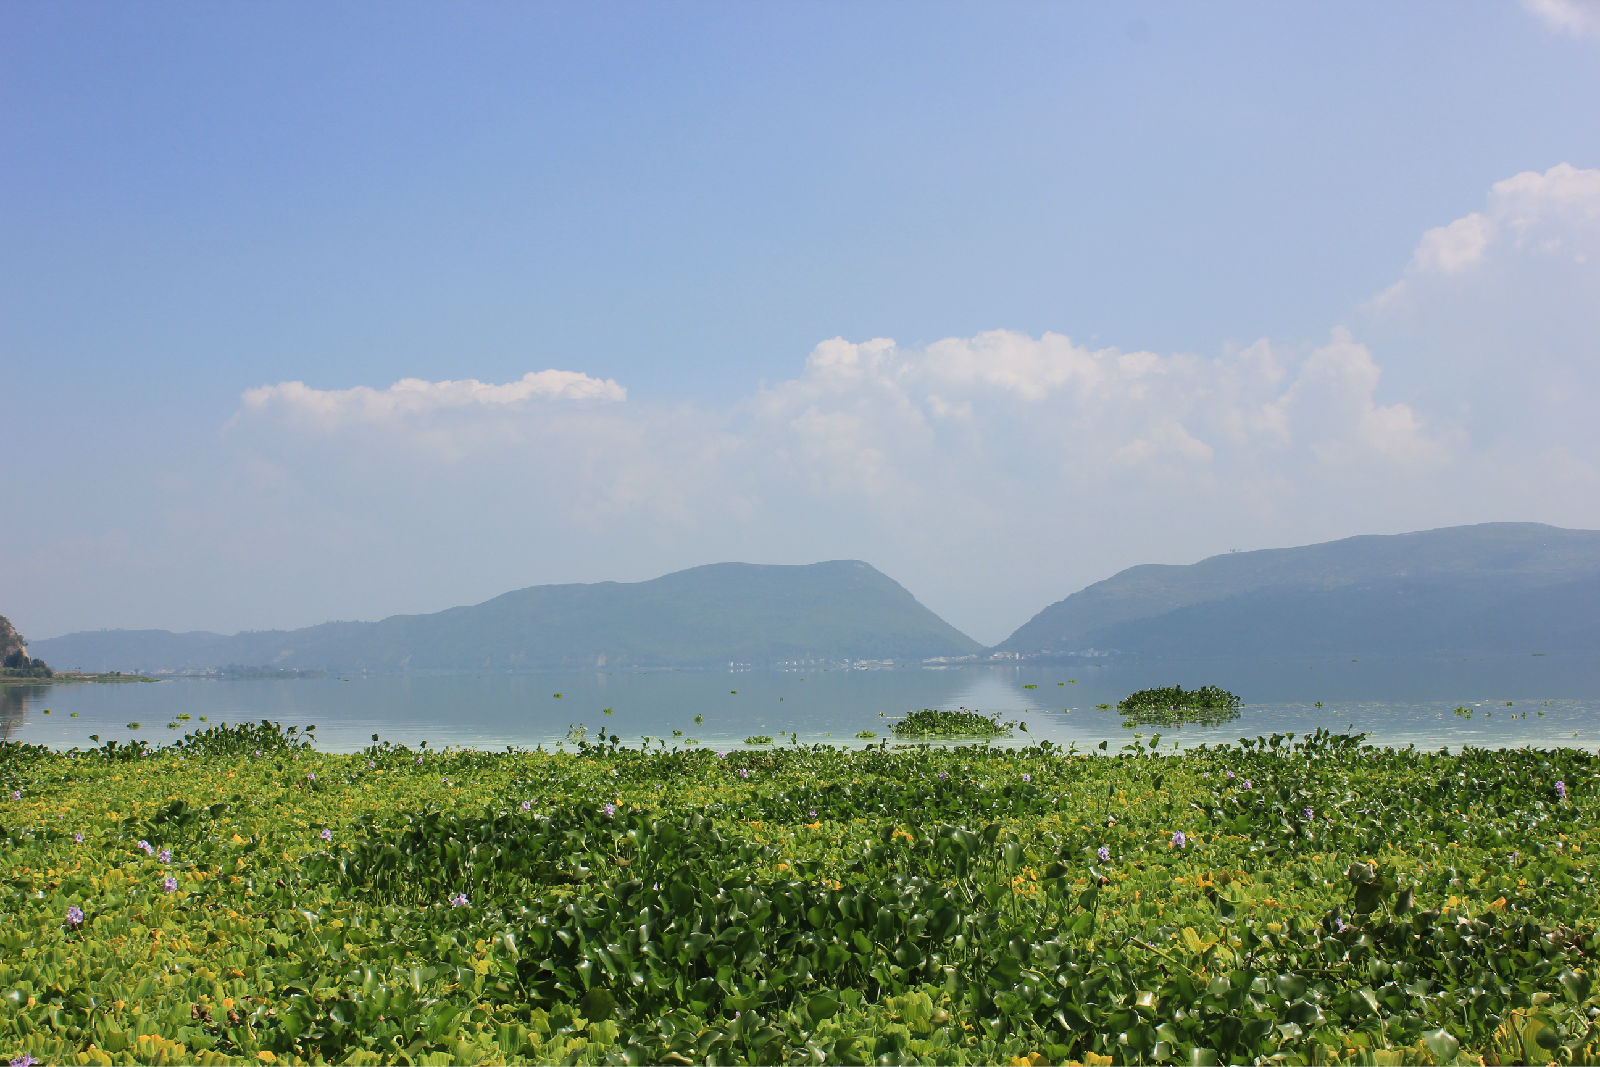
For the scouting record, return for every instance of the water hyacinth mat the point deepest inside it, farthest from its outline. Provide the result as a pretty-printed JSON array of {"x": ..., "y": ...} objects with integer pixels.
[{"x": 242, "y": 898}]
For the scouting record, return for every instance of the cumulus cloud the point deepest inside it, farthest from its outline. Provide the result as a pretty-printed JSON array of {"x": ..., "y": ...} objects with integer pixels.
[
  {"x": 1576, "y": 18},
  {"x": 876, "y": 414},
  {"x": 1532, "y": 212},
  {"x": 412, "y": 397},
  {"x": 882, "y": 422}
]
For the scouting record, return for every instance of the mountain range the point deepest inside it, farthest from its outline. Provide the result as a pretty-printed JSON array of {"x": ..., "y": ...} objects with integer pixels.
[
  {"x": 707, "y": 616},
  {"x": 1491, "y": 587}
]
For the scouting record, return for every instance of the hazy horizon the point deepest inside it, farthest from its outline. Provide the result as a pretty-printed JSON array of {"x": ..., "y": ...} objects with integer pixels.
[{"x": 400, "y": 308}]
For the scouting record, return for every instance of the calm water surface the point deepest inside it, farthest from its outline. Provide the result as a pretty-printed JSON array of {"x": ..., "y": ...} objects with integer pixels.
[{"x": 1553, "y": 701}]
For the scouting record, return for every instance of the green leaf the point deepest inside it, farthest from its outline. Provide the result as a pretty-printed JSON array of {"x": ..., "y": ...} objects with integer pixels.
[
  {"x": 821, "y": 1007},
  {"x": 1442, "y": 1044}
]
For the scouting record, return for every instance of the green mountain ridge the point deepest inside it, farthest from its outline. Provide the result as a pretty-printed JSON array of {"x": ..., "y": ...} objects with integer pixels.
[
  {"x": 706, "y": 616},
  {"x": 1494, "y": 586}
]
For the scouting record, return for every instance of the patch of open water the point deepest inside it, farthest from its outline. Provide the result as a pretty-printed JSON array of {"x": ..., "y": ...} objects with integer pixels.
[{"x": 1514, "y": 701}]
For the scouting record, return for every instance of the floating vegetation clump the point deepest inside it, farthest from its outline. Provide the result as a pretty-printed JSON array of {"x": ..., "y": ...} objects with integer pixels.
[
  {"x": 758, "y": 739},
  {"x": 962, "y": 723},
  {"x": 1174, "y": 705}
]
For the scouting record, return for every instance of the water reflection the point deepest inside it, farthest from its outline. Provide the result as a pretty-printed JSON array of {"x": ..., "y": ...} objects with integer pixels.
[{"x": 14, "y": 701}]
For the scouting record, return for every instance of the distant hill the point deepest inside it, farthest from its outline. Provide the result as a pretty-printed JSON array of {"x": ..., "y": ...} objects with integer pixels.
[
  {"x": 706, "y": 616},
  {"x": 1493, "y": 587}
]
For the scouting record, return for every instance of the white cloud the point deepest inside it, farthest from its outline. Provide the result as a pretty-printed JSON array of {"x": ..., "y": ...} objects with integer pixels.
[
  {"x": 1531, "y": 212},
  {"x": 1562, "y": 198},
  {"x": 1577, "y": 18},
  {"x": 963, "y": 418},
  {"x": 1453, "y": 248},
  {"x": 1333, "y": 403},
  {"x": 1167, "y": 438},
  {"x": 411, "y": 397}
]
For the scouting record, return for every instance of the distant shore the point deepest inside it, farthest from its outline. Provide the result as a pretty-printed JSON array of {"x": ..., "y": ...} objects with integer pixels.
[{"x": 73, "y": 676}]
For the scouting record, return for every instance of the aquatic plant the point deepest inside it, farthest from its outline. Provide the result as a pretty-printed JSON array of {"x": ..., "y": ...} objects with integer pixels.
[
  {"x": 1283, "y": 899},
  {"x": 1173, "y": 706},
  {"x": 944, "y": 723}
]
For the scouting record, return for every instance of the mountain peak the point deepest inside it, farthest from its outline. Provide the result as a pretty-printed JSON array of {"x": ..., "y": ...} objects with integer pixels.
[
  {"x": 1451, "y": 588},
  {"x": 760, "y": 614}
]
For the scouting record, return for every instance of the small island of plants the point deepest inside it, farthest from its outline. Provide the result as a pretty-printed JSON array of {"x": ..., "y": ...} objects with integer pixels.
[
  {"x": 1174, "y": 705},
  {"x": 944, "y": 723}
]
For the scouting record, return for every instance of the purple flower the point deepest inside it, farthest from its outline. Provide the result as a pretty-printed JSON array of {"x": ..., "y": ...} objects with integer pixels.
[
  {"x": 371, "y": 764},
  {"x": 1342, "y": 926},
  {"x": 74, "y": 916},
  {"x": 166, "y": 855},
  {"x": 1247, "y": 784},
  {"x": 311, "y": 776},
  {"x": 943, "y": 776},
  {"x": 170, "y": 885},
  {"x": 1104, "y": 854},
  {"x": 24, "y": 1060},
  {"x": 1027, "y": 777},
  {"x": 1230, "y": 776},
  {"x": 258, "y": 752},
  {"x": 1179, "y": 839},
  {"x": 145, "y": 845},
  {"x": 78, "y": 837},
  {"x": 744, "y": 772},
  {"x": 610, "y": 808},
  {"x": 1561, "y": 790},
  {"x": 419, "y": 761},
  {"x": 527, "y": 805},
  {"x": 444, "y": 781},
  {"x": 812, "y": 813},
  {"x": 327, "y": 833},
  {"x": 1308, "y": 813},
  {"x": 16, "y": 794},
  {"x": 459, "y": 900}
]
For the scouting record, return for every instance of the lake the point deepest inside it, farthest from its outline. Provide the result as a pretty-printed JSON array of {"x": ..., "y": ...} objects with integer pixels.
[{"x": 1523, "y": 700}]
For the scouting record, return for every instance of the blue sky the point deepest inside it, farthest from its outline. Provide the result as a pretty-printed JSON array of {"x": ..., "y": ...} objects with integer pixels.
[{"x": 1160, "y": 281}]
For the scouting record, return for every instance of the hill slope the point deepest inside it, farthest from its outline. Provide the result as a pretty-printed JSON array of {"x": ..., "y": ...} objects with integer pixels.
[
  {"x": 1496, "y": 586},
  {"x": 705, "y": 616}
]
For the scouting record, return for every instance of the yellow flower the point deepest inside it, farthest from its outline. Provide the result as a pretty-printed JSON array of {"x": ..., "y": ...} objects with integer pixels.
[{"x": 266, "y": 1057}]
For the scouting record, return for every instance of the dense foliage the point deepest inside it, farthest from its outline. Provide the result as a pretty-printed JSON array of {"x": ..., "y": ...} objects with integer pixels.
[
  {"x": 14, "y": 659},
  {"x": 1174, "y": 705},
  {"x": 942, "y": 723},
  {"x": 20, "y": 666},
  {"x": 244, "y": 898}
]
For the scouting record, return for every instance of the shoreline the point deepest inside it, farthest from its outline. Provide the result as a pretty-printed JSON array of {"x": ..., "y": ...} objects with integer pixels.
[{"x": 76, "y": 676}]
